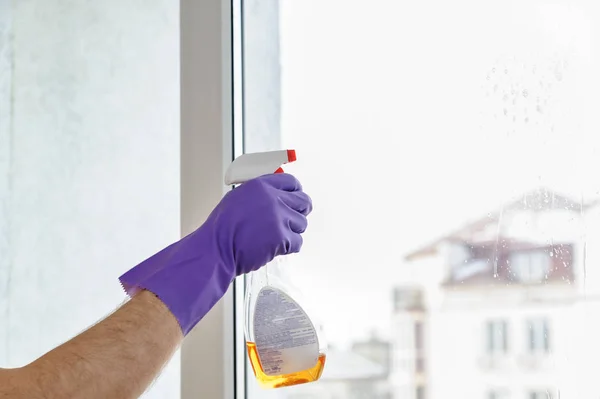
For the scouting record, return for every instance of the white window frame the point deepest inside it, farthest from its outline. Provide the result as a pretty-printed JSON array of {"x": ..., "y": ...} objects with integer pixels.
[
  {"x": 213, "y": 358},
  {"x": 210, "y": 352}
]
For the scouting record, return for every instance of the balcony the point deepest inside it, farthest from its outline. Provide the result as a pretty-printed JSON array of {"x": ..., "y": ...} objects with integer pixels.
[
  {"x": 534, "y": 361},
  {"x": 495, "y": 362}
]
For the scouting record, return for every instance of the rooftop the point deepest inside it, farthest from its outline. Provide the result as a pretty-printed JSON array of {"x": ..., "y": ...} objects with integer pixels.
[{"x": 539, "y": 200}]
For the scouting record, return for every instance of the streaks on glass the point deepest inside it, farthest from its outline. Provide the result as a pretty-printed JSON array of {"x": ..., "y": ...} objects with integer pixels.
[
  {"x": 498, "y": 232},
  {"x": 584, "y": 243}
]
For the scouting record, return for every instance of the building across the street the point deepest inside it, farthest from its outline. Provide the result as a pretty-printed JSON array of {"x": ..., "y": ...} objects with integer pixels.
[{"x": 505, "y": 307}]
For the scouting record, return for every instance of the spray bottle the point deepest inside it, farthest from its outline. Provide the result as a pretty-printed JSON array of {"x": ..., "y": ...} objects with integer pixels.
[{"x": 284, "y": 340}]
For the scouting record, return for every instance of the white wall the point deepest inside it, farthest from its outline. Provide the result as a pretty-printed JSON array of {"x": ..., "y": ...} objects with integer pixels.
[
  {"x": 457, "y": 347},
  {"x": 89, "y": 162}
]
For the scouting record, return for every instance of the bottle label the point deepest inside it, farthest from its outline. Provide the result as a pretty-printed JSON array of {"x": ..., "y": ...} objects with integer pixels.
[{"x": 285, "y": 338}]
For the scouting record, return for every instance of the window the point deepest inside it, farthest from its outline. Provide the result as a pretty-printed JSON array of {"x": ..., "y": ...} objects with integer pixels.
[
  {"x": 408, "y": 299},
  {"x": 540, "y": 395},
  {"x": 530, "y": 266},
  {"x": 419, "y": 336},
  {"x": 538, "y": 336},
  {"x": 443, "y": 150},
  {"x": 89, "y": 163},
  {"x": 497, "y": 394},
  {"x": 419, "y": 348},
  {"x": 496, "y": 337}
]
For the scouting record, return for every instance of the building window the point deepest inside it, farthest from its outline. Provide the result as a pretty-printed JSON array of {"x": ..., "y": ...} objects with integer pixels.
[
  {"x": 419, "y": 351},
  {"x": 530, "y": 266},
  {"x": 498, "y": 394},
  {"x": 538, "y": 336},
  {"x": 408, "y": 299},
  {"x": 496, "y": 337},
  {"x": 419, "y": 336},
  {"x": 540, "y": 395},
  {"x": 420, "y": 393}
]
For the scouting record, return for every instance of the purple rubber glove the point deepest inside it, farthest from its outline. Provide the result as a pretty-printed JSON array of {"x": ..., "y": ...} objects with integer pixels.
[{"x": 259, "y": 220}]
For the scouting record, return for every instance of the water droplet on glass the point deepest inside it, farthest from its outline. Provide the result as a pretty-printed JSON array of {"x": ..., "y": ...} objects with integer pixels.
[
  {"x": 493, "y": 70},
  {"x": 538, "y": 109},
  {"x": 526, "y": 120},
  {"x": 505, "y": 71},
  {"x": 525, "y": 93},
  {"x": 487, "y": 77},
  {"x": 495, "y": 88},
  {"x": 505, "y": 112},
  {"x": 558, "y": 75},
  {"x": 505, "y": 97},
  {"x": 514, "y": 118}
]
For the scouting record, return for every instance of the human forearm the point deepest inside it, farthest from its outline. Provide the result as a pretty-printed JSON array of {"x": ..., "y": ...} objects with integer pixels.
[{"x": 117, "y": 358}]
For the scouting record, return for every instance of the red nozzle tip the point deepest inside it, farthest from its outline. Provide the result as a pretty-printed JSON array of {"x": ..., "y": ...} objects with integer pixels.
[
  {"x": 279, "y": 170},
  {"x": 291, "y": 155}
]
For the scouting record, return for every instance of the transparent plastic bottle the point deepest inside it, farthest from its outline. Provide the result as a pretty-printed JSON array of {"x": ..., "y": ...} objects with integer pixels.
[{"x": 285, "y": 341}]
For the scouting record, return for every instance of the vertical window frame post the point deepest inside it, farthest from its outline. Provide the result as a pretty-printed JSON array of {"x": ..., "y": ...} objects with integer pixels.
[{"x": 208, "y": 368}]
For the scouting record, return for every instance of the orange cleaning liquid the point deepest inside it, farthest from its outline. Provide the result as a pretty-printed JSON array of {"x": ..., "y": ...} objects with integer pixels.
[{"x": 285, "y": 380}]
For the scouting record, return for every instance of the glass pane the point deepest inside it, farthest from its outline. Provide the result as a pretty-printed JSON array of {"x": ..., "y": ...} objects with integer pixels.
[
  {"x": 89, "y": 163},
  {"x": 439, "y": 140}
]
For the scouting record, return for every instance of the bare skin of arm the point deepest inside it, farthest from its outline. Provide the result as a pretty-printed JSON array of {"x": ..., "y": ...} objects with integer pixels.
[{"x": 117, "y": 358}]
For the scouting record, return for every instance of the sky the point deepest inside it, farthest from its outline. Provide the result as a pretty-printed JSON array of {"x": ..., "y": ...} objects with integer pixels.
[{"x": 411, "y": 118}]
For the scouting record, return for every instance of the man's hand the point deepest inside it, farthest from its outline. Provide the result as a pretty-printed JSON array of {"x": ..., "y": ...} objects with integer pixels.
[
  {"x": 261, "y": 219},
  {"x": 117, "y": 358}
]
